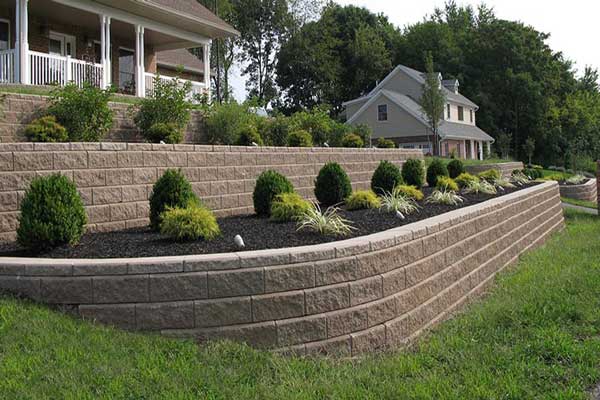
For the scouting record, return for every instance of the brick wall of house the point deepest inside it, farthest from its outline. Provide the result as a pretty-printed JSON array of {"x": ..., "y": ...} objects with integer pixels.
[{"x": 115, "y": 179}]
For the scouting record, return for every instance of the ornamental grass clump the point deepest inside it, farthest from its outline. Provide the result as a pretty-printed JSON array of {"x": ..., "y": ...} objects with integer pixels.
[
  {"x": 171, "y": 190},
  {"x": 386, "y": 177},
  {"x": 445, "y": 183},
  {"x": 576, "y": 180},
  {"x": 410, "y": 192},
  {"x": 190, "y": 223},
  {"x": 413, "y": 173},
  {"x": 435, "y": 170},
  {"x": 482, "y": 186},
  {"x": 332, "y": 185},
  {"x": 449, "y": 198},
  {"x": 269, "y": 185},
  {"x": 520, "y": 179},
  {"x": 503, "y": 183},
  {"x": 52, "y": 214},
  {"x": 395, "y": 202},
  {"x": 287, "y": 207},
  {"x": 363, "y": 200},
  {"x": 328, "y": 223}
]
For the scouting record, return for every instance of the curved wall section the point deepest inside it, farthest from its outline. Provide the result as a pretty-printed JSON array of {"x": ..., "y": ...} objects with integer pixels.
[
  {"x": 346, "y": 298},
  {"x": 587, "y": 191}
]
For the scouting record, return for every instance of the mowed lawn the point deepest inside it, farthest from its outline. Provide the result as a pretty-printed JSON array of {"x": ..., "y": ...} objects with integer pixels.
[{"x": 536, "y": 336}]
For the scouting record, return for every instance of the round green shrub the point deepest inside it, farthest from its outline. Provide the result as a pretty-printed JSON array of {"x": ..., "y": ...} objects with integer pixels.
[
  {"x": 190, "y": 223},
  {"x": 352, "y": 140},
  {"x": 164, "y": 132},
  {"x": 413, "y": 172},
  {"x": 288, "y": 207},
  {"x": 300, "y": 138},
  {"x": 52, "y": 214},
  {"x": 455, "y": 168},
  {"x": 171, "y": 190},
  {"x": 332, "y": 185},
  {"x": 362, "y": 200},
  {"x": 249, "y": 135},
  {"x": 268, "y": 185},
  {"x": 383, "y": 143},
  {"x": 436, "y": 168},
  {"x": 385, "y": 178},
  {"x": 46, "y": 129}
]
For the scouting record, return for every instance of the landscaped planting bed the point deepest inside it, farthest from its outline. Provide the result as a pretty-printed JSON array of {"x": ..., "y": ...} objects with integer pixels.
[{"x": 258, "y": 233}]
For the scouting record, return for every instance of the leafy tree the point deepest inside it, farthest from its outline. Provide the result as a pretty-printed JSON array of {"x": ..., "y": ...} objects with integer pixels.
[
  {"x": 529, "y": 148},
  {"x": 503, "y": 142},
  {"x": 433, "y": 101}
]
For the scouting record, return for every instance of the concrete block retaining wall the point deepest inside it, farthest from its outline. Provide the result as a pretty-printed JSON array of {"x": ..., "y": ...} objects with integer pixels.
[
  {"x": 346, "y": 298},
  {"x": 115, "y": 179},
  {"x": 505, "y": 169},
  {"x": 587, "y": 191}
]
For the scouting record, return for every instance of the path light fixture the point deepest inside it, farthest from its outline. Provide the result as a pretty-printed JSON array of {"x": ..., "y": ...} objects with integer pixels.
[{"x": 239, "y": 242}]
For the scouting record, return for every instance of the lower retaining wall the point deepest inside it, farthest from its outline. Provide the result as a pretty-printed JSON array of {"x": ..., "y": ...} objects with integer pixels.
[
  {"x": 505, "y": 169},
  {"x": 345, "y": 298},
  {"x": 587, "y": 192}
]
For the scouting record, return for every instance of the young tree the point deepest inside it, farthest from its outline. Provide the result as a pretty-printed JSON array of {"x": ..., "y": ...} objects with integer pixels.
[
  {"x": 433, "y": 101},
  {"x": 529, "y": 148},
  {"x": 503, "y": 143}
]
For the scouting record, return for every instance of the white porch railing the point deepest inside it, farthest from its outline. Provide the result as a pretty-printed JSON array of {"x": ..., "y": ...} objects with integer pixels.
[
  {"x": 198, "y": 88},
  {"x": 49, "y": 69},
  {"x": 7, "y": 66}
]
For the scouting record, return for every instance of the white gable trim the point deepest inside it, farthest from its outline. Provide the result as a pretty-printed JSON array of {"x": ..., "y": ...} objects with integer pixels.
[
  {"x": 385, "y": 81},
  {"x": 373, "y": 99}
]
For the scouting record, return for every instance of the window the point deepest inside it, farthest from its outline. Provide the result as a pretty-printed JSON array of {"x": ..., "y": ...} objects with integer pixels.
[
  {"x": 448, "y": 111},
  {"x": 61, "y": 44},
  {"x": 4, "y": 34},
  {"x": 126, "y": 71},
  {"x": 382, "y": 112},
  {"x": 461, "y": 113},
  {"x": 471, "y": 114}
]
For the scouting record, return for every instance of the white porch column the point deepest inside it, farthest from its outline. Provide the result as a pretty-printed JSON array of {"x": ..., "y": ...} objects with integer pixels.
[
  {"x": 105, "y": 51},
  {"x": 140, "y": 68},
  {"x": 472, "y": 155},
  {"x": 481, "y": 149},
  {"x": 206, "y": 60},
  {"x": 22, "y": 68},
  {"x": 489, "y": 148}
]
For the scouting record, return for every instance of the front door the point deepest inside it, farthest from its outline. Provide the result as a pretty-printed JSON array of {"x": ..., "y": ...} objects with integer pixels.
[
  {"x": 61, "y": 44},
  {"x": 126, "y": 71}
]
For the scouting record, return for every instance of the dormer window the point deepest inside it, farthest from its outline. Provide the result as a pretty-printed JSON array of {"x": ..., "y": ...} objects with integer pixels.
[
  {"x": 448, "y": 111},
  {"x": 382, "y": 112},
  {"x": 471, "y": 115},
  {"x": 461, "y": 113}
]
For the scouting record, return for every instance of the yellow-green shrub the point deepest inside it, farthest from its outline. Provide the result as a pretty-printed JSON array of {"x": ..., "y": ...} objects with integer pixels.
[
  {"x": 288, "y": 207},
  {"x": 446, "y": 183},
  {"x": 464, "y": 179},
  {"x": 490, "y": 175},
  {"x": 410, "y": 191},
  {"x": 363, "y": 199},
  {"x": 189, "y": 223}
]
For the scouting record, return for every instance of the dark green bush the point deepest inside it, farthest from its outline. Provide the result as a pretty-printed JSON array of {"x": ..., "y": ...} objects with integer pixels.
[
  {"x": 316, "y": 122},
  {"x": 269, "y": 185},
  {"x": 332, "y": 185},
  {"x": 455, "y": 168},
  {"x": 84, "y": 112},
  {"x": 383, "y": 143},
  {"x": 385, "y": 178},
  {"x": 300, "y": 138},
  {"x": 339, "y": 130},
  {"x": 224, "y": 122},
  {"x": 171, "y": 190},
  {"x": 164, "y": 132},
  {"x": 533, "y": 173},
  {"x": 46, "y": 129},
  {"x": 52, "y": 214},
  {"x": 436, "y": 168},
  {"x": 353, "y": 141},
  {"x": 363, "y": 131},
  {"x": 278, "y": 131},
  {"x": 249, "y": 135},
  {"x": 413, "y": 172},
  {"x": 166, "y": 104}
]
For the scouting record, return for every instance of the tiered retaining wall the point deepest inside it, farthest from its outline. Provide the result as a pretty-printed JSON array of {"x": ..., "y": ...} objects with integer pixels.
[
  {"x": 18, "y": 110},
  {"x": 115, "y": 179},
  {"x": 505, "y": 169},
  {"x": 587, "y": 191},
  {"x": 346, "y": 298}
]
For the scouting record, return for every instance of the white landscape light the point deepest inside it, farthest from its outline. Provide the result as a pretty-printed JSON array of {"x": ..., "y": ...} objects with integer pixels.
[
  {"x": 239, "y": 242},
  {"x": 254, "y": 144}
]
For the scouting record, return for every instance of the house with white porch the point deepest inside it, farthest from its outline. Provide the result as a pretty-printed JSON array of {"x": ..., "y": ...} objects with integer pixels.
[
  {"x": 393, "y": 112},
  {"x": 123, "y": 43}
]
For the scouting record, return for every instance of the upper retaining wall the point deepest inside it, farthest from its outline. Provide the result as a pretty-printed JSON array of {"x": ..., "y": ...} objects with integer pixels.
[
  {"x": 18, "y": 110},
  {"x": 587, "y": 191},
  {"x": 115, "y": 179},
  {"x": 347, "y": 297},
  {"x": 505, "y": 169}
]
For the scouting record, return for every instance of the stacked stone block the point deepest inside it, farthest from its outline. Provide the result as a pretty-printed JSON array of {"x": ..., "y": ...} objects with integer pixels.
[
  {"x": 505, "y": 169},
  {"x": 586, "y": 192}
]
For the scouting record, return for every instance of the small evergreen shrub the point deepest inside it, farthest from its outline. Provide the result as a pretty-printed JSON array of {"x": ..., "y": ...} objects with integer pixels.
[
  {"x": 352, "y": 140},
  {"x": 386, "y": 177},
  {"x": 413, "y": 172},
  {"x": 287, "y": 207},
  {"x": 52, "y": 214},
  {"x": 332, "y": 185},
  {"x": 164, "y": 132},
  {"x": 362, "y": 200},
  {"x": 383, "y": 143},
  {"x": 171, "y": 190},
  {"x": 46, "y": 129},
  {"x": 278, "y": 131},
  {"x": 269, "y": 185},
  {"x": 410, "y": 192},
  {"x": 490, "y": 175},
  {"x": 249, "y": 135},
  {"x": 534, "y": 173},
  {"x": 445, "y": 183},
  {"x": 188, "y": 224},
  {"x": 300, "y": 138},
  {"x": 84, "y": 112},
  {"x": 465, "y": 179},
  {"x": 435, "y": 170},
  {"x": 168, "y": 104},
  {"x": 455, "y": 168}
]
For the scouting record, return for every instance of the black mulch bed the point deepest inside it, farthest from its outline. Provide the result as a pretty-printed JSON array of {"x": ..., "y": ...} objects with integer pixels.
[{"x": 258, "y": 234}]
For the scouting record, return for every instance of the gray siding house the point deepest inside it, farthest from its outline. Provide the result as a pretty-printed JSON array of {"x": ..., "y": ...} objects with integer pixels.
[{"x": 392, "y": 110}]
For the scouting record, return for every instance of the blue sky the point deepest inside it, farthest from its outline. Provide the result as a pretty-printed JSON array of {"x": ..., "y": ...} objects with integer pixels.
[{"x": 573, "y": 25}]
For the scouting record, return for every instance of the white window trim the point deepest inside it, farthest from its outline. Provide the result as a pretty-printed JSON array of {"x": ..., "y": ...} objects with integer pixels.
[
  {"x": 9, "y": 31},
  {"x": 463, "y": 113},
  {"x": 63, "y": 37},
  {"x": 386, "y": 113}
]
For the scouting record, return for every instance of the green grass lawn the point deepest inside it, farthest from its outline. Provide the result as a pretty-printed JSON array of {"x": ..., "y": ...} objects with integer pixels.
[
  {"x": 537, "y": 336},
  {"x": 581, "y": 203}
]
